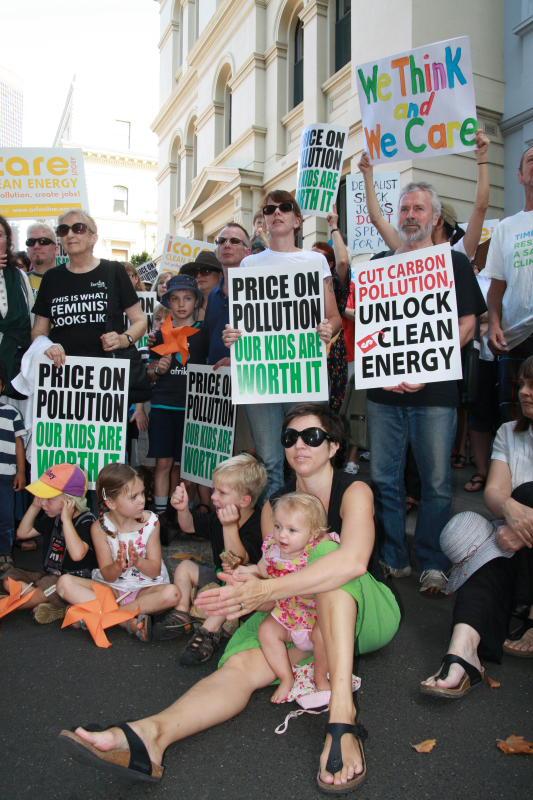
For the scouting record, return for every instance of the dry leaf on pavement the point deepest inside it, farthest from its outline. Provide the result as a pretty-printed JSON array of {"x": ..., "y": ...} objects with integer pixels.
[
  {"x": 515, "y": 745},
  {"x": 425, "y": 747}
]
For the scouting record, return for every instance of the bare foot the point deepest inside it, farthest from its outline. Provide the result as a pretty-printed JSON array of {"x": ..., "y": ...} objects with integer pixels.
[
  {"x": 455, "y": 673},
  {"x": 352, "y": 760},
  {"x": 321, "y": 681},
  {"x": 282, "y": 692},
  {"x": 114, "y": 739},
  {"x": 522, "y": 646}
]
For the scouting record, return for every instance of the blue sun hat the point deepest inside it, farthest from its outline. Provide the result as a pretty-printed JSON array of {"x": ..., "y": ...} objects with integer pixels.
[{"x": 183, "y": 283}]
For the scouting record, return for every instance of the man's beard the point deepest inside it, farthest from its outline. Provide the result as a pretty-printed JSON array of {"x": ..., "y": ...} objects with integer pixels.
[{"x": 410, "y": 237}]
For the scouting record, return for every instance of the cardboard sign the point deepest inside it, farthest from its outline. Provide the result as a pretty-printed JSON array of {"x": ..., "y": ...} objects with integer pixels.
[
  {"x": 209, "y": 423},
  {"x": 320, "y": 168},
  {"x": 419, "y": 103},
  {"x": 406, "y": 325},
  {"x": 178, "y": 250},
  {"x": 80, "y": 414},
  {"x": 363, "y": 237},
  {"x": 148, "y": 301},
  {"x": 41, "y": 182},
  {"x": 279, "y": 357}
]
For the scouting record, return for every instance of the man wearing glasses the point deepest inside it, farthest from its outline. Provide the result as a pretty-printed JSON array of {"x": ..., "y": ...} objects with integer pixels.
[{"x": 41, "y": 243}]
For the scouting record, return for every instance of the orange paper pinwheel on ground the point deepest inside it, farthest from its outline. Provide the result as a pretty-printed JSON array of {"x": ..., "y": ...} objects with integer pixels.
[
  {"x": 99, "y": 614},
  {"x": 175, "y": 340},
  {"x": 15, "y": 597}
]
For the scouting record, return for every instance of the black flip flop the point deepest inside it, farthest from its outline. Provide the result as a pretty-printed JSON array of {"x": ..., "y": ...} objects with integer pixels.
[{"x": 335, "y": 763}]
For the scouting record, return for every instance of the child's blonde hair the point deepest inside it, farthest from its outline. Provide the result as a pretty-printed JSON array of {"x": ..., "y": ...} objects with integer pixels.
[
  {"x": 110, "y": 484},
  {"x": 308, "y": 505},
  {"x": 245, "y": 474},
  {"x": 80, "y": 503}
]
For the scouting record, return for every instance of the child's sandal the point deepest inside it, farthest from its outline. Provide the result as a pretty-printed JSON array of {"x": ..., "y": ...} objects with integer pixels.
[
  {"x": 200, "y": 648},
  {"x": 141, "y": 627}
]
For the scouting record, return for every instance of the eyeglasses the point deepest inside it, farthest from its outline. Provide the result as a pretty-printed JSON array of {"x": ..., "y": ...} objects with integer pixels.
[
  {"x": 313, "y": 437},
  {"x": 78, "y": 227},
  {"x": 42, "y": 240},
  {"x": 231, "y": 239},
  {"x": 205, "y": 271},
  {"x": 271, "y": 208}
]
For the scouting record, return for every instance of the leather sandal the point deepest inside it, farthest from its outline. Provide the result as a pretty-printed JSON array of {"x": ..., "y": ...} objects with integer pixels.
[
  {"x": 134, "y": 765},
  {"x": 470, "y": 679},
  {"x": 335, "y": 763},
  {"x": 517, "y": 637}
]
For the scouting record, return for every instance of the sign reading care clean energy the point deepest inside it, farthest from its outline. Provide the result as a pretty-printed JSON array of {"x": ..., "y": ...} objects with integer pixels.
[
  {"x": 279, "y": 356},
  {"x": 178, "y": 250},
  {"x": 406, "y": 324},
  {"x": 80, "y": 413},
  {"x": 41, "y": 182},
  {"x": 419, "y": 103}
]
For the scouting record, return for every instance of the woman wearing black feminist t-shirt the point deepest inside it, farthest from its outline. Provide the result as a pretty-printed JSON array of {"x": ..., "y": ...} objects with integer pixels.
[{"x": 72, "y": 307}]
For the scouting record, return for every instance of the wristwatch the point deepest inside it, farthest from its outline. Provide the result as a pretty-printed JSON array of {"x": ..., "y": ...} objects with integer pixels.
[{"x": 129, "y": 338}]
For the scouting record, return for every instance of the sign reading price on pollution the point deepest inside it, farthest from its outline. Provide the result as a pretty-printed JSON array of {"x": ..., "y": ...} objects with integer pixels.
[
  {"x": 80, "y": 413},
  {"x": 320, "y": 168},
  {"x": 279, "y": 357},
  {"x": 419, "y": 103}
]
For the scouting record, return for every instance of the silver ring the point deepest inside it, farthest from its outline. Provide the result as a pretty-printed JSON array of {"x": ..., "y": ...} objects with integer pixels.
[{"x": 242, "y": 606}]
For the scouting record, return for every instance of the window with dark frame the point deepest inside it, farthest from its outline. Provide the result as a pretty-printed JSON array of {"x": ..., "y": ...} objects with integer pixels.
[
  {"x": 298, "y": 67},
  {"x": 343, "y": 32}
]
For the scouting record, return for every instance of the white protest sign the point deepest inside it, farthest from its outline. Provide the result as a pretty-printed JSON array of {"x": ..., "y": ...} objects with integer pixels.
[
  {"x": 41, "y": 181},
  {"x": 148, "y": 302},
  {"x": 148, "y": 271},
  {"x": 363, "y": 237},
  {"x": 406, "y": 325},
  {"x": 178, "y": 250},
  {"x": 80, "y": 413},
  {"x": 489, "y": 226},
  {"x": 279, "y": 357},
  {"x": 419, "y": 103},
  {"x": 209, "y": 423},
  {"x": 320, "y": 168}
]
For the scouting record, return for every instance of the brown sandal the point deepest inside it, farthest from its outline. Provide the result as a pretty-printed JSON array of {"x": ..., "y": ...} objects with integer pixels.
[
  {"x": 200, "y": 648},
  {"x": 475, "y": 484}
]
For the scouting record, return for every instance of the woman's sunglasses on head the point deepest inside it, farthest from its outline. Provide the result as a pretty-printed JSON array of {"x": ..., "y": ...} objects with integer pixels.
[
  {"x": 313, "y": 437},
  {"x": 78, "y": 227}
]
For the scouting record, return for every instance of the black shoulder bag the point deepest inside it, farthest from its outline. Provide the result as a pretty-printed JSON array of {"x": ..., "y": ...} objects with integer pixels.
[{"x": 139, "y": 389}]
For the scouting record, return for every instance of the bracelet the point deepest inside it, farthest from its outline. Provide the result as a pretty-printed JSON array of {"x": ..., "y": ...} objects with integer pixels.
[
  {"x": 479, "y": 163},
  {"x": 334, "y": 230}
]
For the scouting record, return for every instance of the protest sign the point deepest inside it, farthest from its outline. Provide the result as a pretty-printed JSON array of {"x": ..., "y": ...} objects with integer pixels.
[
  {"x": 41, "y": 181},
  {"x": 178, "y": 250},
  {"x": 209, "y": 423},
  {"x": 419, "y": 103},
  {"x": 406, "y": 325},
  {"x": 80, "y": 413},
  {"x": 279, "y": 357},
  {"x": 489, "y": 226},
  {"x": 148, "y": 271},
  {"x": 363, "y": 237},
  {"x": 148, "y": 302},
  {"x": 320, "y": 168}
]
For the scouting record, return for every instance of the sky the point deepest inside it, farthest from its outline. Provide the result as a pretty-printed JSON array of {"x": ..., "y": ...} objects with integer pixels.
[{"x": 110, "y": 45}]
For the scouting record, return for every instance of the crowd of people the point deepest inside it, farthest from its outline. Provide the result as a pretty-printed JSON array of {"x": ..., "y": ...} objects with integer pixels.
[{"x": 302, "y": 549}]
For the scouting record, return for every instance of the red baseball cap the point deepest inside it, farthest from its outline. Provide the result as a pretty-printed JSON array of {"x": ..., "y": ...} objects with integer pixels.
[{"x": 60, "y": 479}]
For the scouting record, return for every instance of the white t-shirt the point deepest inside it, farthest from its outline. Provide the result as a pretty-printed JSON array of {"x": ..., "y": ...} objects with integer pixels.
[
  {"x": 516, "y": 449},
  {"x": 294, "y": 260},
  {"x": 510, "y": 259}
]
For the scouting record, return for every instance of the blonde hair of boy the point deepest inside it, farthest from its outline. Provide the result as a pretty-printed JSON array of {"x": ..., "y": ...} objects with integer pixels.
[
  {"x": 309, "y": 506},
  {"x": 245, "y": 474},
  {"x": 80, "y": 503}
]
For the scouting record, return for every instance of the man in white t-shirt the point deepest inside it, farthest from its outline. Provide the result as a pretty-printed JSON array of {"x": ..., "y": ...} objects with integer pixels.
[{"x": 510, "y": 297}]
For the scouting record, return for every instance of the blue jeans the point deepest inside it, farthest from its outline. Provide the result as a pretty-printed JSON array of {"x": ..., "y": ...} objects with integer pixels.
[
  {"x": 265, "y": 420},
  {"x": 431, "y": 432},
  {"x": 7, "y": 514}
]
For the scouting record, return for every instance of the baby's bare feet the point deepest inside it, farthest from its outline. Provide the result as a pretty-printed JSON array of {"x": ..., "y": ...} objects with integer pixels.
[{"x": 282, "y": 692}]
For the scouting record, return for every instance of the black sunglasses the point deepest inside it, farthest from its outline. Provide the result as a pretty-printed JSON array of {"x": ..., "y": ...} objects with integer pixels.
[
  {"x": 313, "y": 437},
  {"x": 206, "y": 270},
  {"x": 42, "y": 240},
  {"x": 271, "y": 208},
  {"x": 78, "y": 227},
  {"x": 231, "y": 239}
]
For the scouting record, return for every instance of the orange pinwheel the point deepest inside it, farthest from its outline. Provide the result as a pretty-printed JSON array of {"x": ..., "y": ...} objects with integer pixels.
[
  {"x": 18, "y": 595},
  {"x": 175, "y": 340},
  {"x": 99, "y": 614}
]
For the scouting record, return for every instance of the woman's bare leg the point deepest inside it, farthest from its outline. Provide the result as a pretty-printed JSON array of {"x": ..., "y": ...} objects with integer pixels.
[
  {"x": 215, "y": 699},
  {"x": 321, "y": 660},
  {"x": 337, "y": 613}
]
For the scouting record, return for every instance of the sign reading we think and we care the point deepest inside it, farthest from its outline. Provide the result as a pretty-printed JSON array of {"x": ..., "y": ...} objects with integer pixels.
[{"x": 419, "y": 103}]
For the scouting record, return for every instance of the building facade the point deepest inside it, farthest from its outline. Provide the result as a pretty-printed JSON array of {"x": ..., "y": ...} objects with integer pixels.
[
  {"x": 10, "y": 109},
  {"x": 240, "y": 79}
]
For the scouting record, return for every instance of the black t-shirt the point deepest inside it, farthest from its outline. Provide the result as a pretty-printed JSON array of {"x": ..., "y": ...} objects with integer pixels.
[
  {"x": 56, "y": 559},
  {"x": 77, "y": 305},
  {"x": 170, "y": 389},
  {"x": 209, "y": 526},
  {"x": 442, "y": 393}
]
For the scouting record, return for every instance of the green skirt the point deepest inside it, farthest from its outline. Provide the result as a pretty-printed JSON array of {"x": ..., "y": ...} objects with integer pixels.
[{"x": 378, "y": 614}]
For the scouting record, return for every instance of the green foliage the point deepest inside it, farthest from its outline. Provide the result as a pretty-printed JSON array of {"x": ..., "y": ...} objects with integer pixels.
[{"x": 140, "y": 258}]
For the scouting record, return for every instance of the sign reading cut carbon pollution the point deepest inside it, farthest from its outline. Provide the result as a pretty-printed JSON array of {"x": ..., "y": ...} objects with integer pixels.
[
  {"x": 419, "y": 103},
  {"x": 406, "y": 325},
  {"x": 363, "y": 237},
  {"x": 41, "y": 181},
  {"x": 178, "y": 250},
  {"x": 209, "y": 423},
  {"x": 279, "y": 357},
  {"x": 80, "y": 413},
  {"x": 320, "y": 168}
]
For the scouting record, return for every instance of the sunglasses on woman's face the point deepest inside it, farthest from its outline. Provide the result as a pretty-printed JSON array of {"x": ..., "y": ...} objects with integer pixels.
[
  {"x": 78, "y": 227},
  {"x": 313, "y": 437},
  {"x": 271, "y": 208}
]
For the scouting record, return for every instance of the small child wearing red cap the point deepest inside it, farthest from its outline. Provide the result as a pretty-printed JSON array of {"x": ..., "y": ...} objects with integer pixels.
[{"x": 60, "y": 515}]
